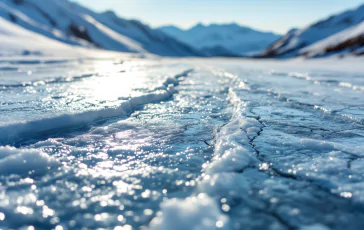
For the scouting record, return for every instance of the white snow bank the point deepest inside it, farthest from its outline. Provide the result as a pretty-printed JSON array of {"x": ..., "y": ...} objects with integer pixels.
[
  {"x": 193, "y": 213},
  {"x": 25, "y": 162},
  {"x": 232, "y": 142},
  {"x": 226, "y": 185},
  {"x": 230, "y": 155}
]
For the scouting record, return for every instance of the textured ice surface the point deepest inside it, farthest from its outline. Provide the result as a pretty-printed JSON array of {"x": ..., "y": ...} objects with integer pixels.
[{"x": 180, "y": 144}]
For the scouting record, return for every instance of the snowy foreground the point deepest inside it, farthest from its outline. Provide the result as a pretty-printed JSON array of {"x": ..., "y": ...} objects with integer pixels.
[{"x": 128, "y": 143}]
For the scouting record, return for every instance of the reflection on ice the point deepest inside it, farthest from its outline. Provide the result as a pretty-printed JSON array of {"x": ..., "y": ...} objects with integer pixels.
[{"x": 127, "y": 144}]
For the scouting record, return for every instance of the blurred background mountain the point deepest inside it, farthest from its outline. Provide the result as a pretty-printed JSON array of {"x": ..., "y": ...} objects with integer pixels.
[{"x": 65, "y": 23}]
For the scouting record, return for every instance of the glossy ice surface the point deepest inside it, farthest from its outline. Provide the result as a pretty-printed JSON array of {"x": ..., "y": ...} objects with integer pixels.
[{"x": 180, "y": 144}]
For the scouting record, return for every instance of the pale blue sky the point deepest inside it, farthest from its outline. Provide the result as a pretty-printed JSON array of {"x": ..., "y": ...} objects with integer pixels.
[{"x": 274, "y": 15}]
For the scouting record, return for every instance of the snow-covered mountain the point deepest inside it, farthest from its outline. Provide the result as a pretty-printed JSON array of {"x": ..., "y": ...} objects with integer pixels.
[
  {"x": 347, "y": 41},
  {"x": 73, "y": 24},
  {"x": 237, "y": 39},
  {"x": 16, "y": 40},
  {"x": 339, "y": 33}
]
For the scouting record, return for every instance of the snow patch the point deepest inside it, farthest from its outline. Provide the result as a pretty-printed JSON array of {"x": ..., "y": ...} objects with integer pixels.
[
  {"x": 194, "y": 213},
  {"x": 25, "y": 162},
  {"x": 230, "y": 155}
]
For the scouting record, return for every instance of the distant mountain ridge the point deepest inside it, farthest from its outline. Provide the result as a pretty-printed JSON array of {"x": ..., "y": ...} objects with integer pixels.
[
  {"x": 239, "y": 40},
  {"x": 342, "y": 33},
  {"x": 73, "y": 24}
]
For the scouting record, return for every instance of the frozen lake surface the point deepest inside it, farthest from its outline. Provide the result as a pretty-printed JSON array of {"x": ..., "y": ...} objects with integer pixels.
[{"x": 159, "y": 144}]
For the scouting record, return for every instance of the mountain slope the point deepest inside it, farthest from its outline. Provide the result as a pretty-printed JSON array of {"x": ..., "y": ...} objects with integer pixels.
[
  {"x": 350, "y": 40},
  {"x": 153, "y": 40},
  {"x": 16, "y": 40},
  {"x": 73, "y": 24},
  {"x": 233, "y": 37},
  {"x": 302, "y": 42}
]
